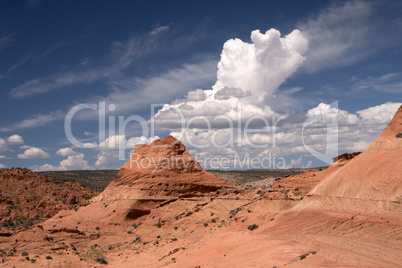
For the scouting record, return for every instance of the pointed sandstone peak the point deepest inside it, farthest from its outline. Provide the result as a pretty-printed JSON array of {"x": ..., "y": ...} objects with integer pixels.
[
  {"x": 163, "y": 156},
  {"x": 166, "y": 160},
  {"x": 391, "y": 138}
]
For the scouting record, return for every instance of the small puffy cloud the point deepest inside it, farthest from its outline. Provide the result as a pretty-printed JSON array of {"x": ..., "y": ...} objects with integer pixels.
[
  {"x": 2, "y": 166},
  {"x": 308, "y": 165},
  {"x": 102, "y": 160},
  {"x": 295, "y": 163},
  {"x": 74, "y": 162},
  {"x": 333, "y": 114},
  {"x": 15, "y": 139},
  {"x": 66, "y": 152},
  {"x": 2, "y": 156},
  {"x": 46, "y": 167},
  {"x": 33, "y": 153}
]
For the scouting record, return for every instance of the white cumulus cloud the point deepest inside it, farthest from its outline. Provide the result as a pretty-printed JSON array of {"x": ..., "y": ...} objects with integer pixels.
[
  {"x": 15, "y": 139},
  {"x": 247, "y": 72},
  {"x": 75, "y": 162},
  {"x": 33, "y": 153},
  {"x": 66, "y": 152},
  {"x": 380, "y": 113}
]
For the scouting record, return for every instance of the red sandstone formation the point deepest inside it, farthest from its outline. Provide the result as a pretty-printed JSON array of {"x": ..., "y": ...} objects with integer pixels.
[
  {"x": 27, "y": 198},
  {"x": 154, "y": 176},
  {"x": 375, "y": 174}
]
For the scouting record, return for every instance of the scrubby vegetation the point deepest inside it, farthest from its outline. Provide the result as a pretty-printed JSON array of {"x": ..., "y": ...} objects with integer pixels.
[
  {"x": 252, "y": 227},
  {"x": 96, "y": 180}
]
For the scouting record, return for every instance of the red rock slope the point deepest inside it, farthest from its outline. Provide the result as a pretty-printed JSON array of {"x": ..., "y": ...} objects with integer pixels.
[{"x": 375, "y": 174}]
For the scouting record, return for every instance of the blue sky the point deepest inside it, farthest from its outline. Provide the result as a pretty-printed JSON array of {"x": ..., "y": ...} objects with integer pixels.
[{"x": 59, "y": 54}]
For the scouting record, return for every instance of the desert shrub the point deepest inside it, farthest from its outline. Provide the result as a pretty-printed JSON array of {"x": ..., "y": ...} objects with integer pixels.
[
  {"x": 189, "y": 214},
  {"x": 130, "y": 232},
  {"x": 49, "y": 258},
  {"x": 302, "y": 257},
  {"x": 234, "y": 211},
  {"x": 252, "y": 227},
  {"x": 24, "y": 253},
  {"x": 206, "y": 224},
  {"x": 101, "y": 260}
]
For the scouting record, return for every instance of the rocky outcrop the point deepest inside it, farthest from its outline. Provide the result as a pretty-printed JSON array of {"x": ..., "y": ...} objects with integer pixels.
[
  {"x": 155, "y": 175},
  {"x": 27, "y": 197},
  {"x": 342, "y": 159},
  {"x": 166, "y": 162}
]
